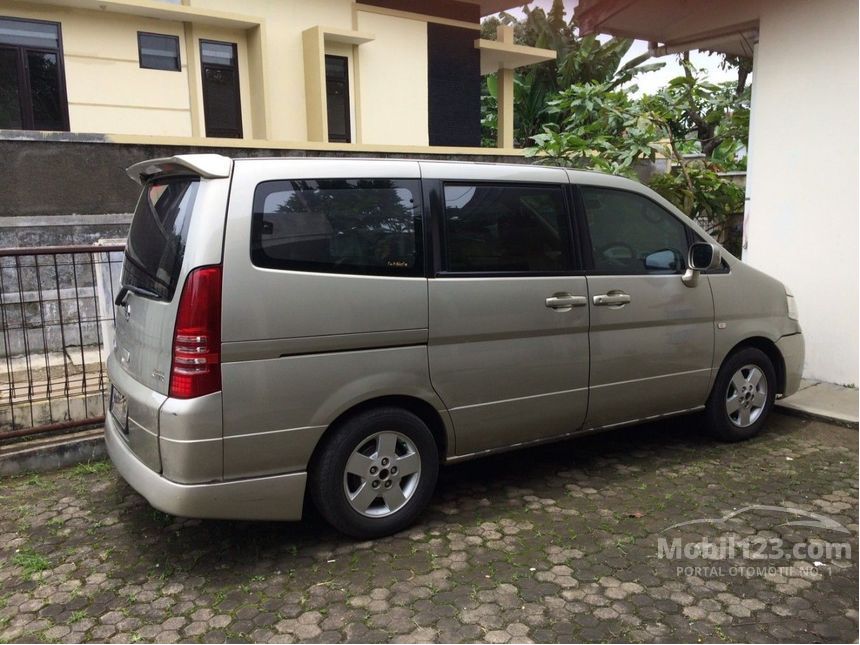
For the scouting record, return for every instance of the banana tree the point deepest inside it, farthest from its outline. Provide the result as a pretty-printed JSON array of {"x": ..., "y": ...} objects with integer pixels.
[{"x": 586, "y": 59}]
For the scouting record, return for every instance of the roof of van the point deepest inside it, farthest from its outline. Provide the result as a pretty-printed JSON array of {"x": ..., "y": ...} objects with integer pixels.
[
  {"x": 412, "y": 159},
  {"x": 213, "y": 166},
  {"x": 575, "y": 174}
]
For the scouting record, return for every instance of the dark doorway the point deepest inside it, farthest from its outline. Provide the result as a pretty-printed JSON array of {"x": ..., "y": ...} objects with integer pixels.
[
  {"x": 337, "y": 97},
  {"x": 222, "y": 106}
]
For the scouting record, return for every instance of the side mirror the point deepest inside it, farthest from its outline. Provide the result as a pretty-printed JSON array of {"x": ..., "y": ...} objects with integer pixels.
[{"x": 702, "y": 257}]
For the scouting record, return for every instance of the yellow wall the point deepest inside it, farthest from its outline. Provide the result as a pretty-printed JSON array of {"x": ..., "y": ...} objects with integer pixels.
[
  {"x": 107, "y": 89},
  {"x": 206, "y": 32},
  {"x": 392, "y": 78},
  {"x": 109, "y": 93},
  {"x": 389, "y": 74},
  {"x": 285, "y": 21}
]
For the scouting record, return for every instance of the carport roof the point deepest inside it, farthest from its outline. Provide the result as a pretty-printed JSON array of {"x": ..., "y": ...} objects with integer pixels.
[
  {"x": 729, "y": 26},
  {"x": 495, "y": 6}
]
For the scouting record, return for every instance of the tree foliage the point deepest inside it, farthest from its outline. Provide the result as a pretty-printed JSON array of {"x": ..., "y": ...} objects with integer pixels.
[
  {"x": 578, "y": 60},
  {"x": 582, "y": 110},
  {"x": 701, "y": 128}
]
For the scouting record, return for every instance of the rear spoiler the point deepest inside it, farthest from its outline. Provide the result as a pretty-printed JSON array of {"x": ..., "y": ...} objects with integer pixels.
[{"x": 207, "y": 166}]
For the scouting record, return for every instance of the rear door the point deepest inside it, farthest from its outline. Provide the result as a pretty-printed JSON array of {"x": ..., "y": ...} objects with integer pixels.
[
  {"x": 508, "y": 344},
  {"x": 153, "y": 260},
  {"x": 652, "y": 337},
  {"x": 178, "y": 224}
]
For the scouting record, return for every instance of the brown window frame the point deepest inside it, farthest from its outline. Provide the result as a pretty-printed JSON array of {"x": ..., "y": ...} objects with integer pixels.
[
  {"x": 159, "y": 69},
  {"x": 347, "y": 120},
  {"x": 216, "y": 131},
  {"x": 25, "y": 92}
]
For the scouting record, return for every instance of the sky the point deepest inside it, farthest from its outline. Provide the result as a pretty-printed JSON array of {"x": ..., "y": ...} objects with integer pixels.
[{"x": 653, "y": 81}]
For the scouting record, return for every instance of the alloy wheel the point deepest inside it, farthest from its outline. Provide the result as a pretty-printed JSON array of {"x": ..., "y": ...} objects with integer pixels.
[
  {"x": 382, "y": 474},
  {"x": 746, "y": 396}
]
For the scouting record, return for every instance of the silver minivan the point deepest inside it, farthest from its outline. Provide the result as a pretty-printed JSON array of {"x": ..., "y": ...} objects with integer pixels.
[{"x": 341, "y": 327}]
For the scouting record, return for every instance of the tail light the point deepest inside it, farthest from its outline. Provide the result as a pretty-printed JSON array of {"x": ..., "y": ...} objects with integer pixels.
[{"x": 196, "y": 366}]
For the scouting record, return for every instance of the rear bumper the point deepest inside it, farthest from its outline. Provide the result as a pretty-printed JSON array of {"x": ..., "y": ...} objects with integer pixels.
[
  {"x": 280, "y": 497},
  {"x": 793, "y": 351}
]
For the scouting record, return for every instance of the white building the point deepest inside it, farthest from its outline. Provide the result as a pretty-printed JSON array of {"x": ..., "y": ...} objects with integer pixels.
[{"x": 802, "y": 183}]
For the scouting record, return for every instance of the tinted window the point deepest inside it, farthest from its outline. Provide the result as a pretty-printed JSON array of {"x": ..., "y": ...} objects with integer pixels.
[
  {"x": 10, "y": 90},
  {"x": 44, "y": 97},
  {"x": 632, "y": 235},
  {"x": 214, "y": 53},
  {"x": 363, "y": 226},
  {"x": 158, "y": 52},
  {"x": 506, "y": 228},
  {"x": 26, "y": 33},
  {"x": 337, "y": 97},
  {"x": 32, "y": 94},
  {"x": 156, "y": 240}
]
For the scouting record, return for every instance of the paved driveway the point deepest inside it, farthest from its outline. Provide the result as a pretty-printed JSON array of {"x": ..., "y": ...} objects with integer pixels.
[{"x": 557, "y": 543}]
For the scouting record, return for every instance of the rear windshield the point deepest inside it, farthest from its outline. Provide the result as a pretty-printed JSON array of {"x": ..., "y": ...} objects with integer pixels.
[{"x": 156, "y": 241}]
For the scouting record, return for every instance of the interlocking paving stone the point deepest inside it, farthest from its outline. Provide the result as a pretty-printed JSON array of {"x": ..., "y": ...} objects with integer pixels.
[{"x": 557, "y": 543}]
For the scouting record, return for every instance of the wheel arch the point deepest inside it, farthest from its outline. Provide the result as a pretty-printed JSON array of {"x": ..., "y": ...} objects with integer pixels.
[
  {"x": 417, "y": 406},
  {"x": 769, "y": 348}
]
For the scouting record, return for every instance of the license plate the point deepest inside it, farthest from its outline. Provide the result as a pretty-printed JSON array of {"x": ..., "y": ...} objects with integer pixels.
[{"x": 119, "y": 408}]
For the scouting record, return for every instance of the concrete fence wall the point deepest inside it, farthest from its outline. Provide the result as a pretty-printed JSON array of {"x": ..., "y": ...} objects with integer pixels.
[
  {"x": 68, "y": 174},
  {"x": 60, "y": 189}
]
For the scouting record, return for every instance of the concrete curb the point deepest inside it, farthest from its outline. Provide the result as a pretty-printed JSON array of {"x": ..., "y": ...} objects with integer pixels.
[
  {"x": 827, "y": 402},
  {"x": 52, "y": 453},
  {"x": 793, "y": 411}
]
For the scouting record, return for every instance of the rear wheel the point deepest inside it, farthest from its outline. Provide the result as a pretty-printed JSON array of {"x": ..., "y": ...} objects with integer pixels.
[
  {"x": 375, "y": 473},
  {"x": 743, "y": 395}
]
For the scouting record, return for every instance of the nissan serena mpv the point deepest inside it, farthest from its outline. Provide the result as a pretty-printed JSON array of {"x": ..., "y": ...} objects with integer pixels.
[{"x": 342, "y": 327}]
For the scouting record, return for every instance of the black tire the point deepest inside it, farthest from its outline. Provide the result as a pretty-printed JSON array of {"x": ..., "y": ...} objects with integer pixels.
[
  {"x": 718, "y": 419},
  {"x": 327, "y": 477}
]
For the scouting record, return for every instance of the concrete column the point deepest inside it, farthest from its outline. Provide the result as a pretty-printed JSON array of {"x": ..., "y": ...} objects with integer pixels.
[
  {"x": 505, "y": 99},
  {"x": 259, "y": 78},
  {"x": 802, "y": 217},
  {"x": 195, "y": 81},
  {"x": 315, "y": 98}
]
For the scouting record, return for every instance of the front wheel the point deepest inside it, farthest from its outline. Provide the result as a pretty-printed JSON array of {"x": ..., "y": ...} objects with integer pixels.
[
  {"x": 743, "y": 395},
  {"x": 375, "y": 473}
]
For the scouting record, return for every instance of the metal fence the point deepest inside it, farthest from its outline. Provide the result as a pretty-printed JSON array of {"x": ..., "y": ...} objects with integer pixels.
[{"x": 57, "y": 321}]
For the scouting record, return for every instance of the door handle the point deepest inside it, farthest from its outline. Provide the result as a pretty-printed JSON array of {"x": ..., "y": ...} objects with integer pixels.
[
  {"x": 565, "y": 301},
  {"x": 612, "y": 299}
]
